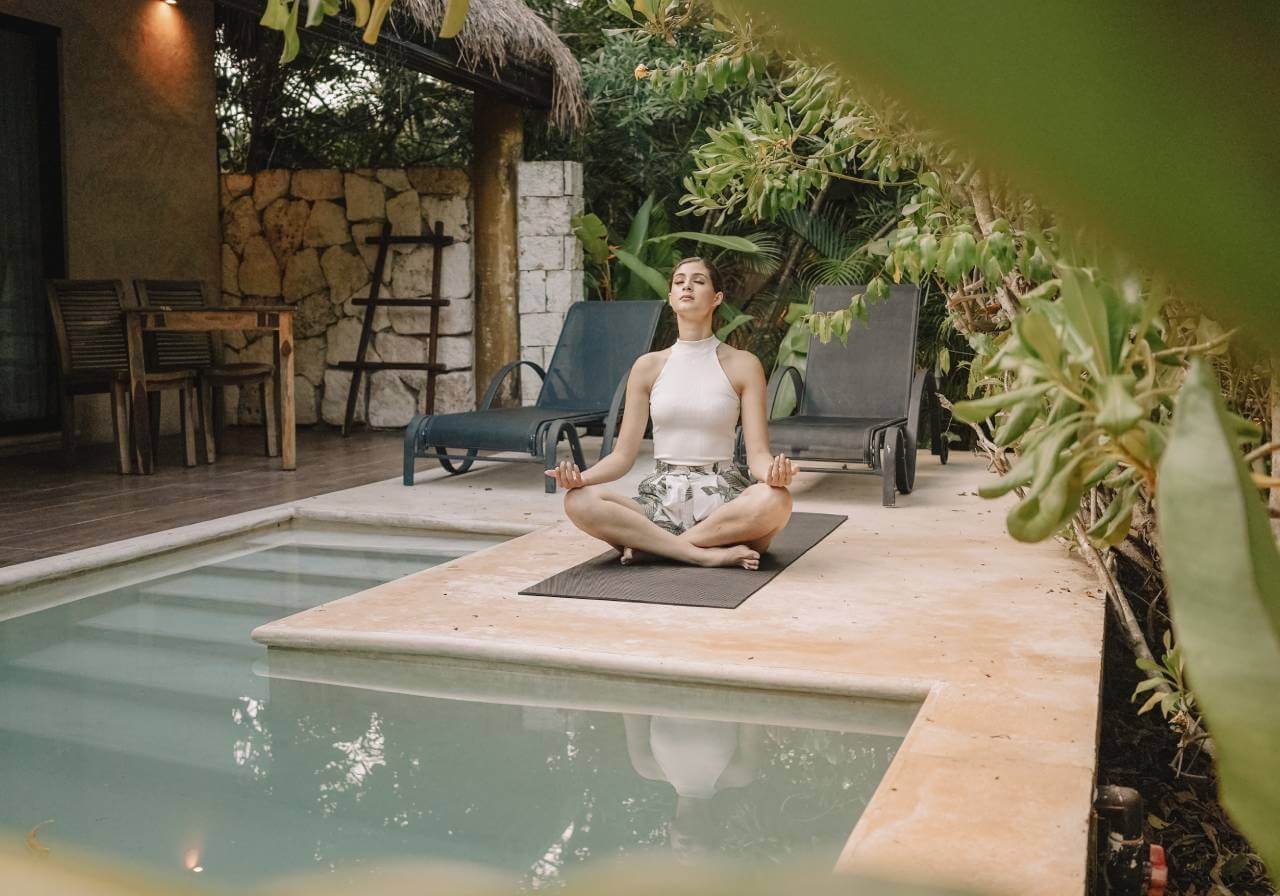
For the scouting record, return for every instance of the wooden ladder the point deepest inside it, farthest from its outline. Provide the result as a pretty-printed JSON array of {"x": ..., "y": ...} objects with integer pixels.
[{"x": 385, "y": 241}]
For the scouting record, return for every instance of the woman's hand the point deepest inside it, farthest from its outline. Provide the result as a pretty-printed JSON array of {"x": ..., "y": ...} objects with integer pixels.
[
  {"x": 781, "y": 472},
  {"x": 567, "y": 474}
]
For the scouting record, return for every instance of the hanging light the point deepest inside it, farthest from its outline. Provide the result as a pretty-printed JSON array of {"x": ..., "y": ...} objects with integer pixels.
[{"x": 171, "y": 2}]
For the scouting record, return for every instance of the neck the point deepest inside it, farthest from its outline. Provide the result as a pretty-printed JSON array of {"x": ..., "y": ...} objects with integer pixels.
[{"x": 694, "y": 330}]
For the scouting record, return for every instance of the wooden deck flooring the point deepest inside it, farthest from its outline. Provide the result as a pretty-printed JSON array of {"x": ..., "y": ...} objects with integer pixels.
[{"x": 49, "y": 506}]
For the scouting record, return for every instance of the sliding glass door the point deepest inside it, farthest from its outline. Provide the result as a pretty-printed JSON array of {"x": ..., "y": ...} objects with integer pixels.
[{"x": 31, "y": 224}]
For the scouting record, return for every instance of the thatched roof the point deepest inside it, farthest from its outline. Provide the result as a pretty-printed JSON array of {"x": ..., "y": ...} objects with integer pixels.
[
  {"x": 498, "y": 32},
  {"x": 502, "y": 42}
]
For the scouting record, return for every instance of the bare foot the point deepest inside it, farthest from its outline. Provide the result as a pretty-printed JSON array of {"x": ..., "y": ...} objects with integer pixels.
[
  {"x": 734, "y": 555},
  {"x": 630, "y": 557}
]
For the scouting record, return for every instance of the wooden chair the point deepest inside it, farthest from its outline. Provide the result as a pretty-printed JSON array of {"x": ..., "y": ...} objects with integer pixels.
[
  {"x": 199, "y": 351},
  {"x": 93, "y": 351}
]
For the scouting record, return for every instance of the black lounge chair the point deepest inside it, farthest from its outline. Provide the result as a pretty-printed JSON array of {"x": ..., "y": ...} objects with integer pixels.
[
  {"x": 861, "y": 403},
  {"x": 584, "y": 385}
]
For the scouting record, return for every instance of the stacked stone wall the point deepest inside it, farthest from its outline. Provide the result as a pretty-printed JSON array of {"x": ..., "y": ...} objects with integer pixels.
[
  {"x": 298, "y": 238},
  {"x": 551, "y": 270}
]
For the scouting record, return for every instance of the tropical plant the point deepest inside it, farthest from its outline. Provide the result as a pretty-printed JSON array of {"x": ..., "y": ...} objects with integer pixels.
[
  {"x": 647, "y": 256},
  {"x": 334, "y": 107},
  {"x": 1109, "y": 131}
]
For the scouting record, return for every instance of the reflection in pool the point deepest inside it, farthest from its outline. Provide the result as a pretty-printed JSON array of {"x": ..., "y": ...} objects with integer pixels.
[{"x": 134, "y": 719}]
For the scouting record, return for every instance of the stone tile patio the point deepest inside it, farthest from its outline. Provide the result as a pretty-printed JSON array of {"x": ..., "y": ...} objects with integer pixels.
[{"x": 928, "y": 601}]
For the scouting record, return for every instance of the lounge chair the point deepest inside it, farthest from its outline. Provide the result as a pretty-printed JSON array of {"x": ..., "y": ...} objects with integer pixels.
[
  {"x": 199, "y": 352},
  {"x": 861, "y": 403},
  {"x": 584, "y": 385}
]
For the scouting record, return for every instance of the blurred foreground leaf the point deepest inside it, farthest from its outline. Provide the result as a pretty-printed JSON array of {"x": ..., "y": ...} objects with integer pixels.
[
  {"x": 1123, "y": 117},
  {"x": 84, "y": 876},
  {"x": 1223, "y": 573}
]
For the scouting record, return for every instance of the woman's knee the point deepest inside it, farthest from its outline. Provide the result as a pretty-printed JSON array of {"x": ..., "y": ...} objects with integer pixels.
[
  {"x": 578, "y": 502},
  {"x": 770, "y": 498}
]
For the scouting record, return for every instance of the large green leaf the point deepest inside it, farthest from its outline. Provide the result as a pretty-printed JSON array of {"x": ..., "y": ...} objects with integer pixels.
[
  {"x": 639, "y": 230},
  {"x": 1120, "y": 116},
  {"x": 734, "y": 318},
  {"x": 1223, "y": 573},
  {"x": 650, "y": 276},
  {"x": 736, "y": 243},
  {"x": 593, "y": 235}
]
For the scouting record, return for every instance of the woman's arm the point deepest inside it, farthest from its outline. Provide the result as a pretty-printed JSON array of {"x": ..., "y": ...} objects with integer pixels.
[
  {"x": 748, "y": 377},
  {"x": 635, "y": 416}
]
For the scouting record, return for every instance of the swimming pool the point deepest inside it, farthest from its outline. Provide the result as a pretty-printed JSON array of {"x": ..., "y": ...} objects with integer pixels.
[{"x": 141, "y": 720}]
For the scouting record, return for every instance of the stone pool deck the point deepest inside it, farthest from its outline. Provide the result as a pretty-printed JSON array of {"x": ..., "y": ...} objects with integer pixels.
[{"x": 929, "y": 601}]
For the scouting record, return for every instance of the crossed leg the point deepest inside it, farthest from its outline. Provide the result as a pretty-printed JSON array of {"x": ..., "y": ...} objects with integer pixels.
[
  {"x": 753, "y": 518},
  {"x": 733, "y": 535},
  {"x": 621, "y": 523}
]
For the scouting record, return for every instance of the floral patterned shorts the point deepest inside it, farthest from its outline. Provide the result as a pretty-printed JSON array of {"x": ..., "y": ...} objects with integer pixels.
[{"x": 676, "y": 497}]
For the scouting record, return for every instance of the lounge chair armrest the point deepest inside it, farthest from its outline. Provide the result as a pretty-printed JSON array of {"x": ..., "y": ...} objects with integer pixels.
[
  {"x": 611, "y": 422},
  {"x": 496, "y": 382},
  {"x": 775, "y": 383}
]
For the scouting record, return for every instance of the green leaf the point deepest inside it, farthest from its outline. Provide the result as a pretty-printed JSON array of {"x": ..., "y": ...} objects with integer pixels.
[
  {"x": 276, "y": 15},
  {"x": 651, "y": 276},
  {"x": 981, "y": 408},
  {"x": 1018, "y": 421},
  {"x": 1086, "y": 317},
  {"x": 315, "y": 12},
  {"x": 1151, "y": 702},
  {"x": 455, "y": 14},
  {"x": 1114, "y": 524},
  {"x": 735, "y": 318},
  {"x": 1223, "y": 574},
  {"x": 622, "y": 8},
  {"x": 1044, "y": 511},
  {"x": 1118, "y": 410},
  {"x": 1038, "y": 335},
  {"x": 638, "y": 233},
  {"x": 593, "y": 235},
  {"x": 735, "y": 243},
  {"x": 291, "y": 43}
]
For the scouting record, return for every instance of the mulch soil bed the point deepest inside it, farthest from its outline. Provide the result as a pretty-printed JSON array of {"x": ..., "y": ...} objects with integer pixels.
[{"x": 1205, "y": 853}]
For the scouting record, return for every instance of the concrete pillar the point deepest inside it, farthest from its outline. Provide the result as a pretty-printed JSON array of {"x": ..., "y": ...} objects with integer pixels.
[{"x": 498, "y": 144}]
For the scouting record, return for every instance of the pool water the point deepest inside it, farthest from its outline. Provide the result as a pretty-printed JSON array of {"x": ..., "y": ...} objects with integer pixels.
[{"x": 138, "y": 722}]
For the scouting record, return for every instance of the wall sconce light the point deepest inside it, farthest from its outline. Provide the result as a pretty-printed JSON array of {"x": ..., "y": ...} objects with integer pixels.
[{"x": 171, "y": 2}]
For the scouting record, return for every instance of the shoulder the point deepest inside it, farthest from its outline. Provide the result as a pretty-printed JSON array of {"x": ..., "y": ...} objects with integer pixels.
[
  {"x": 649, "y": 365},
  {"x": 741, "y": 366}
]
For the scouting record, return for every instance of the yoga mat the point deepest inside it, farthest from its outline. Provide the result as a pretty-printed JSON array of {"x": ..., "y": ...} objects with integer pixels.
[{"x": 668, "y": 582}]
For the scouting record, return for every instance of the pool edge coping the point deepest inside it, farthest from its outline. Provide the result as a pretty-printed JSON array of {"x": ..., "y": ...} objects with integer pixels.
[{"x": 96, "y": 558}]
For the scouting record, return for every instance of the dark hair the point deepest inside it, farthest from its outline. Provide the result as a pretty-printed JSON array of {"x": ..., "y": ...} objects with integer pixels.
[{"x": 712, "y": 271}]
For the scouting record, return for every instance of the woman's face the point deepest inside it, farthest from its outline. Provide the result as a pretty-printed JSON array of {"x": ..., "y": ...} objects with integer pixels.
[{"x": 691, "y": 293}]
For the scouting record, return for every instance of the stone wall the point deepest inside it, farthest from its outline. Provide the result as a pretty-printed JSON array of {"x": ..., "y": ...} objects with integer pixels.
[
  {"x": 298, "y": 238},
  {"x": 551, "y": 273}
]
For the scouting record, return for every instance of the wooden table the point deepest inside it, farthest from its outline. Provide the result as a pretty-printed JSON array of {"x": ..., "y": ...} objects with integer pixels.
[{"x": 278, "y": 319}]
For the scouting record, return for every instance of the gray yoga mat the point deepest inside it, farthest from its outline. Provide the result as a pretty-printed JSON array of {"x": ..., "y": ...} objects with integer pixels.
[{"x": 666, "y": 582}]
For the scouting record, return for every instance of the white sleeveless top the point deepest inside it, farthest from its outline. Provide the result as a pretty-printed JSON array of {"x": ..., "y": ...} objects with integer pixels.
[
  {"x": 693, "y": 753},
  {"x": 694, "y": 407}
]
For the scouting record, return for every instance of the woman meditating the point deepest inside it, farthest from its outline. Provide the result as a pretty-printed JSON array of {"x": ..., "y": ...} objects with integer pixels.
[{"x": 697, "y": 507}]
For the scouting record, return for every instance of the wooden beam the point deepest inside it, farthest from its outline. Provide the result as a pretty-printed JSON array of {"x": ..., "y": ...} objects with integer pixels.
[
  {"x": 423, "y": 52},
  {"x": 498, "y": 146}
]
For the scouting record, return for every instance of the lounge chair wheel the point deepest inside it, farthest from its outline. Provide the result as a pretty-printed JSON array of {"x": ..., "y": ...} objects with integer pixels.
[
  {"x": 905, "y": 466},
  {"x": 442, "y": 456},
  {"x": 889, "y": 458}
]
